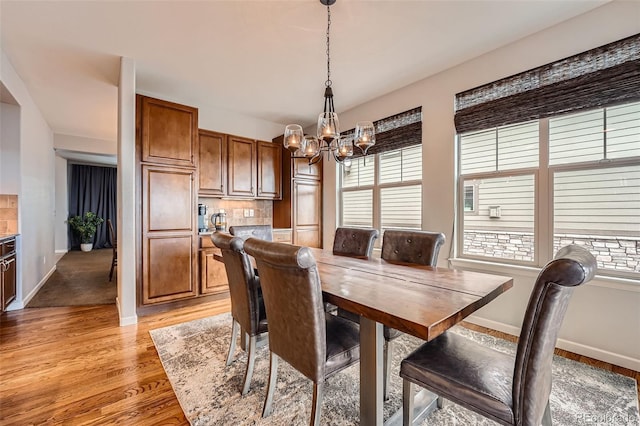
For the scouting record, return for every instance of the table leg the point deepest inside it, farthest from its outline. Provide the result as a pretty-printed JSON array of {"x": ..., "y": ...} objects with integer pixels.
[{"x": 371, "y": 398}]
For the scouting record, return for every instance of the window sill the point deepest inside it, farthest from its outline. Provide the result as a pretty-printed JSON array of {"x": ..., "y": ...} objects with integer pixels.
[{"x": 626, "y": 284}]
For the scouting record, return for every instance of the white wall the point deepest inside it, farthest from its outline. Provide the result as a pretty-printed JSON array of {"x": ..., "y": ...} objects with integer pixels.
[
  {"x": 83, "y": 144},
  {"x": 602, "y": 321},
  {"x": 126, "y": 196},
  {"x": 9, "y": 149},
  {"x": 36, "y": 191},
  {"x": 62, "y": 205}
]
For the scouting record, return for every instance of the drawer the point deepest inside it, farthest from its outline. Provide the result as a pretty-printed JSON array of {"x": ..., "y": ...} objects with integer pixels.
[
  {"x": 205, "y": 241},
  {"x": 282, "y": 235}
]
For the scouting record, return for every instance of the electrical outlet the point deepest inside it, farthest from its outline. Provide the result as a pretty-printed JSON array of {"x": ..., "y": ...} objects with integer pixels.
[
  {"x": 247, "y": 213},
  {"x": 250, "y": 212}
]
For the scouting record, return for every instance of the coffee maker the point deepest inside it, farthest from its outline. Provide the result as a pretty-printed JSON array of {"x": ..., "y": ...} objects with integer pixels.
[
  {"x": 219, "y": 221},
  {"x": 202, "y": 218}
]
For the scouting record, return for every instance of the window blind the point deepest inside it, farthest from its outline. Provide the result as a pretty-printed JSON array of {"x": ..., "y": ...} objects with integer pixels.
[
  {"x": 604, "y": 76},
  {"x": 394, "y": 132}
]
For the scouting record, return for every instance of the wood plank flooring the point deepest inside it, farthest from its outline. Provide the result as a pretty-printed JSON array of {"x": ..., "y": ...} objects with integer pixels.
[{"x": 76, "y": 366}]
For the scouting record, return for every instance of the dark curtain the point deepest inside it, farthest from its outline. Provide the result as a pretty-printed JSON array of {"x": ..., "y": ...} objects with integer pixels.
[{"x": 92, "y": 189}]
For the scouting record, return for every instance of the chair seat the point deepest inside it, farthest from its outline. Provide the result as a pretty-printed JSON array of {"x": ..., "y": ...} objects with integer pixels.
[
  {"x": 466, "y": 373},
  {"x": 389, "y": 333},
  {"x": 343, "y": 344}
]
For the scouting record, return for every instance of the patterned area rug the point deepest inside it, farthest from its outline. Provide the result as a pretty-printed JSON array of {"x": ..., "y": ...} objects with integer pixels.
[{"x": 193, "y": 355}]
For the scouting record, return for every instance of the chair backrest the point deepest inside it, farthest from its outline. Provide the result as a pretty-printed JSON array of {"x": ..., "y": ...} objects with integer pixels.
[
  {"x": 293, "y": 300},
  {"x": 573, "y": 265},
  {"x": 112, "y": 233},
  {"x": 263, "y": 232},
  {"x": 419, "y": 247},
  {"x": 356, "y": 242},
  {"x": 243, "y": 283}
]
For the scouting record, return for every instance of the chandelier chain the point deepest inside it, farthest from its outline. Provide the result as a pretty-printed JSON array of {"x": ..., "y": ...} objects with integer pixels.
[{"x": 328, "y": 82}]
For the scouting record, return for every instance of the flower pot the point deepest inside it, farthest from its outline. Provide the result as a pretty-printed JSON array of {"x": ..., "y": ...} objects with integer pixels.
[{"x": 86, "y": 247}]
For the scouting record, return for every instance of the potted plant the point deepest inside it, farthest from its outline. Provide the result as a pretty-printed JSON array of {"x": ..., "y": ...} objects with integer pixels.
[{"x": 85, "y": 227}]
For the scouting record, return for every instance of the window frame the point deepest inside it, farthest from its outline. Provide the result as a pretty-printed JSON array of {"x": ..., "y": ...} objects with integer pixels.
[
  {"x": 376, "y": 188},
  {"x": 544, "y": 229}
]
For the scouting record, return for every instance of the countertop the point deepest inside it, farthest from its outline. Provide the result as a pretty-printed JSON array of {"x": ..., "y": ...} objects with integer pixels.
[
  {"x": 205, "y": 233},
  {"x": 6, "y": 236}
]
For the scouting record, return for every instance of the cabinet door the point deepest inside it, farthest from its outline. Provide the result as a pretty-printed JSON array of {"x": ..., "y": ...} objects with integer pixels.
[
  {"x": 302, "y": 169},
  {"x": 269, "y": 170},
  {"x": 168, "y": 234},
  {"x": 212, "y": 163},
  {"x": 241, "y": 175},
  {"x": 169, "y": 132},
  {"x": 307, "y": 211},
  {"x": 168, "y": 199},
  {"x": 8, "y": 281},
  {"x": 213, "y": 276},
  {"x": 168, "y": 268}
]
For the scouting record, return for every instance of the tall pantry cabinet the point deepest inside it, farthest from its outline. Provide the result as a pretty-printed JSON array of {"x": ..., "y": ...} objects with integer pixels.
[
  {"x": 301, "y": 206},
  {"x": 167, "y": 142}
]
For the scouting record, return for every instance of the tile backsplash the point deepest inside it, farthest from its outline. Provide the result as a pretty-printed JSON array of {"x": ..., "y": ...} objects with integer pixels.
[
  {"x": 235, "y": 210},
  {"x": 8, "y": 214}
]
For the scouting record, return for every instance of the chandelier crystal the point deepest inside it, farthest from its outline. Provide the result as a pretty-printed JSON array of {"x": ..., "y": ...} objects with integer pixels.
[{"x": 327, "y": 138}]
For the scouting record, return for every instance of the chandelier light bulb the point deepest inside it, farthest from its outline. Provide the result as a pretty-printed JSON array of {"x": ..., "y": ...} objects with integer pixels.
[
  {"x": 293, "y": 137},
  {"x": 365, "y": 136}
]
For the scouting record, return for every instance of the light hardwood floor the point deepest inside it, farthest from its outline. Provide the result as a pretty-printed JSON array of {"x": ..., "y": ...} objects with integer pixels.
[{"x": 77, "y": 366}]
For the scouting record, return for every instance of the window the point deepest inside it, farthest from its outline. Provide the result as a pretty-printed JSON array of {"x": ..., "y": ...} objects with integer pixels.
[
  {"x": 469, "y": 201},
  {"x": 383, "y": 190},
  {"x": 590, "y": 163}
]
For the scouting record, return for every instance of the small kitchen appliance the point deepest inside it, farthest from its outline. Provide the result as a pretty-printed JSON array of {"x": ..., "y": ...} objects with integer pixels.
[
  {"x": 202, "y": 218},
  {"x": 219, "y": 221}
]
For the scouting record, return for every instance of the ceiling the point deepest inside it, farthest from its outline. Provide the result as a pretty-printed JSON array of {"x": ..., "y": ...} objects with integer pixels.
[{"x": 263, "y": 59}]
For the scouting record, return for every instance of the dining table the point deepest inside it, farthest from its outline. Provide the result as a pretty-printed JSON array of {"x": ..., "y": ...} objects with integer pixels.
[{"x": 418, "y": 300}]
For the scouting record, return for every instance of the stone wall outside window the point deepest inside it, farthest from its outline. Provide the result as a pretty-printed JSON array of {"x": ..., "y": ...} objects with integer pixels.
[{"x": 614, "y": 253}]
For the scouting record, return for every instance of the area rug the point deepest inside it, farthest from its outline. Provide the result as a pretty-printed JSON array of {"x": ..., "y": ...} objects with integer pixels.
[
  {"x": 80, "y": 279},
  {"x": 193, "y": 354}
]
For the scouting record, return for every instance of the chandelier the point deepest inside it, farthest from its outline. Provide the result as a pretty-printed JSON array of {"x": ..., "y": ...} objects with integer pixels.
[{"x": 328, "y": 138}]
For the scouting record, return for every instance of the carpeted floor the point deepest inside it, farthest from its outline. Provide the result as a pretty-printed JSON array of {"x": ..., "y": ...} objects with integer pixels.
[
  {"x": 193, "y": 355},
  {"x": 79, "y": 279}
]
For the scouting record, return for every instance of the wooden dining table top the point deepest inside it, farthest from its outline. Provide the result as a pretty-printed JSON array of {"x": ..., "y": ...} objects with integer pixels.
[{"x": 420, "y": 300}]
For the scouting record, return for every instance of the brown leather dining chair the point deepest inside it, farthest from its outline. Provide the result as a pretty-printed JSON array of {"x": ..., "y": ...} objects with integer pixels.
[
  {"x": 354, "y": 242},
  {"x": 412, "y": 247},
  {"x": 264, "y": 232},
  {"x": 114, "y": 247},
  {"x": 491, "y": 383},
  {"x": 313, "y": 342},
  {"x": 247, "y": 307}
]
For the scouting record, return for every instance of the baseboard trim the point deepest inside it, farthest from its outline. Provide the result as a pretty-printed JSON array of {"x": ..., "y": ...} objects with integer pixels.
[
  {"x": 124, "y": 321},
  {"x": 568, "y": 345},
  {"x": 25, "y": 300}
]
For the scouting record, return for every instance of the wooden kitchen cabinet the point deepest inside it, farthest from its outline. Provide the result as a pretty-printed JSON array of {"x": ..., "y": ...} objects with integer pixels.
[
  {"x": 301, "y": 206},
  {"x": 212, "y": 163},
  {"x": 269, "y": 156},
  {"x": 213, "y": 275},
  {"x": 168, "y": 132},
  {"x": 168, "y": 234},
  {"x": 241, "y": 167},
  {"x": 7, "y": 272},
  {"x": 307, "y": 211}
]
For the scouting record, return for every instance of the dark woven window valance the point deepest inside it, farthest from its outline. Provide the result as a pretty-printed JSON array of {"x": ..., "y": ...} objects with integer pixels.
[
  {"x": 599, "y": 77},
  {"x": 395, "y": 132}
]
